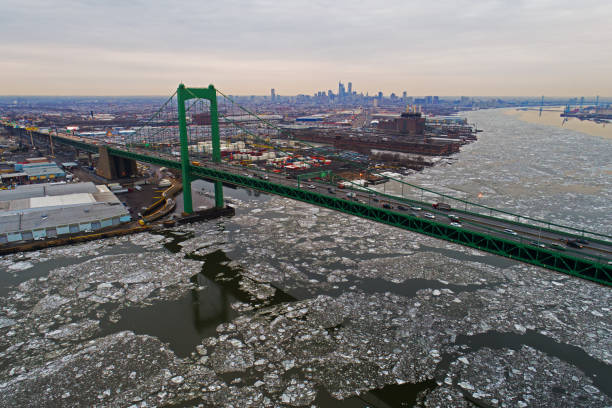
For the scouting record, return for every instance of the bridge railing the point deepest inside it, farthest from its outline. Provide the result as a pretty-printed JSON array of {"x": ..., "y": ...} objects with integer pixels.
[
  {"x": 509, "y": 216},
  {"x": 543, "y": 226}
]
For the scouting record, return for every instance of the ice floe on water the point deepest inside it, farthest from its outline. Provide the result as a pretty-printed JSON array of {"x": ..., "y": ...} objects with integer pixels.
[
  {"x": 324, "y": 306},
  {"x": 515, "y": 378},
  {"x": 20, "y": 266}
]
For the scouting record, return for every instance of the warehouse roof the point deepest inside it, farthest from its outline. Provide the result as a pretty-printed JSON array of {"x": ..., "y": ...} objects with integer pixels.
[
  {"x": 50, "y": 205},
  {"x": 40, "y": 190},
  {"x": 43, "y": 171},
  {"x": 48, "y": 218}
]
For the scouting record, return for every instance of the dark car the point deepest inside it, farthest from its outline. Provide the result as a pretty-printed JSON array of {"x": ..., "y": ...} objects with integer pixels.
[
  {"x": 401, "y": 207},
  {"x": 573, "y": 244},
  {"x": 582, "y": 241},
  {"x": 388, "y": 206}
]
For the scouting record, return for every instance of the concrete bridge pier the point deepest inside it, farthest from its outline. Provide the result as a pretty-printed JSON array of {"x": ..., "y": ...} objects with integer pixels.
[{"x": 112, "y": 167}]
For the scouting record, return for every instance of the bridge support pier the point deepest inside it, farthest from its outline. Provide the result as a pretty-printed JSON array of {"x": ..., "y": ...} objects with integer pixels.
[{"x": 111, "y": 167}]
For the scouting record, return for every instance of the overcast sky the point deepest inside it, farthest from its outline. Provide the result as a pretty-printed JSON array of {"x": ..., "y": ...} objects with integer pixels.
[{"x": 426, "y": 47}]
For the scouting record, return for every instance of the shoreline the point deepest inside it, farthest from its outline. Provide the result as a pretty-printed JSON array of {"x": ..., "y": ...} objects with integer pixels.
[{"x": 552, "y": 118}]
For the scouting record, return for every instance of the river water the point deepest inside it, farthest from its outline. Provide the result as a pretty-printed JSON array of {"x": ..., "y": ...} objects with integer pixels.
[
  {"x": 537, "y": 170},
  {"x": 287, "y": 304}
]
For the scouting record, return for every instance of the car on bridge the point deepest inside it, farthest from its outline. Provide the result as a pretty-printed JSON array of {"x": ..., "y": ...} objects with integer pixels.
[
  {"x": 416, "y": 208},
  {"x": 574, "y": 244},
  {"x": 387, "y": 206},
  {"x": 402, "y": 208},
  {"x": 538, "y": 244},
  {"x": 429, "y": 215},
  {"x": 441, "y": 206},
  {"x": 455, "y": 224},
  {"x": 510, "y": 231},
  {"x": 557, "y": 246}
]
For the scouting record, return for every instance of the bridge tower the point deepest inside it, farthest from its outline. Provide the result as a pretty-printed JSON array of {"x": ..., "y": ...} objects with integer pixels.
[{"x": 183, "y": 94}]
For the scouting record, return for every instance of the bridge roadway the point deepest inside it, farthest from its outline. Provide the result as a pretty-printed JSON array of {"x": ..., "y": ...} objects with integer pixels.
[
  {"x": 525, "y": 242},
  {"x": 600, "y": 251}
]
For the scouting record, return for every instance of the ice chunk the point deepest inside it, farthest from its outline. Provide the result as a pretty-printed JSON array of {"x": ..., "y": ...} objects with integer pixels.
[{"x": 20, "y": 266}]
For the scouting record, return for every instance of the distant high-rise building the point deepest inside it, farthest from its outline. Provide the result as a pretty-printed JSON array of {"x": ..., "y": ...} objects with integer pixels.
[
  {"x": 272, "y": 94},
  {"x": 436, "y": 100},
  {"x": 380, "y": 95},
  {"x": 350, "y": 88},
  {"x": 429, "y": 100},
  {"x": 341, "y": 90},
  {"x": 404, "y": 96}
]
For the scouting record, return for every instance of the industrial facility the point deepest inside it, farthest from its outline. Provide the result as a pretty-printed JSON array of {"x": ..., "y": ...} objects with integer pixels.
[{"x": 39, "y": 211}]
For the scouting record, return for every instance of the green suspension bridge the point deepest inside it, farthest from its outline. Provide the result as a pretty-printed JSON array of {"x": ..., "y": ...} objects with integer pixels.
[{"x": 187, "y": 133}]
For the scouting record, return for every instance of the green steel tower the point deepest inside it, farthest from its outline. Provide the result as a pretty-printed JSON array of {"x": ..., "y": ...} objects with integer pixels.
[{"x": 184, "y": 94}]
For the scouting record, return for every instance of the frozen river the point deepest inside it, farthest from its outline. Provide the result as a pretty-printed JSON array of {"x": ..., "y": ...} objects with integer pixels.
[
  {"x": 287, "y": 304},
  {"x": 537, "y": 170}
]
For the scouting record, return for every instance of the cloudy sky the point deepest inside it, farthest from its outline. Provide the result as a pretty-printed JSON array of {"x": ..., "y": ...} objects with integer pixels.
[{"x": 427, "y": 47}]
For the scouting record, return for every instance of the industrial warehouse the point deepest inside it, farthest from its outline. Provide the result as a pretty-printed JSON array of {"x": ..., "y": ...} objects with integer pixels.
[{"x": 39, "y": 211}]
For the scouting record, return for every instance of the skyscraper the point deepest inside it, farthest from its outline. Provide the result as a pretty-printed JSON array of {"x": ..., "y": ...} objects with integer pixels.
[
  {"x": 272, "y": 94},
  {"x": 341, "y": 90},
  {"x": 350, "y": 88}
]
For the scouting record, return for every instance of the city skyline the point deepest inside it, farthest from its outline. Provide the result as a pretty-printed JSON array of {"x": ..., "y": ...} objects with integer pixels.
[{"x": 450, "y": 48}]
